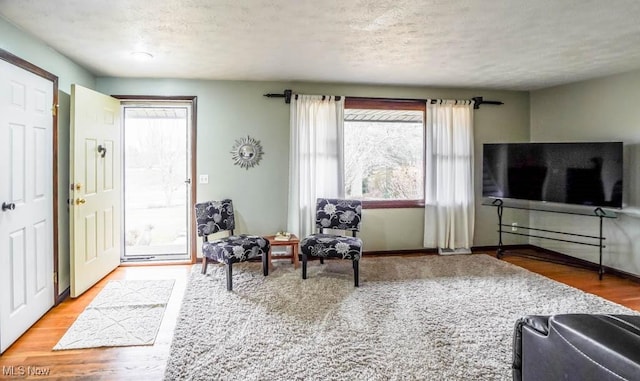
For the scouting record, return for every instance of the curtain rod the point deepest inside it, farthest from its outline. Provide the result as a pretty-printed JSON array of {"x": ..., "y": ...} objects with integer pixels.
[{"x": 477, "y": 101}]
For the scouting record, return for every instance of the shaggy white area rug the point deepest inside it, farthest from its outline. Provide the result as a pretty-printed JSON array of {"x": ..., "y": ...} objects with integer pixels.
[
  {"x": 124, "y": 313},
  {"x": 418, "y": 318}
]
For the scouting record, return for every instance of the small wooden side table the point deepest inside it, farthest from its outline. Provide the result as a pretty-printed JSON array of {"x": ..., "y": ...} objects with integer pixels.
[{"x": 293, "y": 242}]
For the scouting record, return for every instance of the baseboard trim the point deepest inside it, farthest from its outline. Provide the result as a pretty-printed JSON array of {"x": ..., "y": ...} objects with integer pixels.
[
  {"x": 430, "y": 251},
  {"x": 406, "y": 252},
  {"x": 482, "y": 249}
]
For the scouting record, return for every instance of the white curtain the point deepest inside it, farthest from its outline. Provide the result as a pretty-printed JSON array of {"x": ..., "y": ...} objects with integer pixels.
[
  {"x": 449, "y": 198},
  {"x": 316, "y": 158}
]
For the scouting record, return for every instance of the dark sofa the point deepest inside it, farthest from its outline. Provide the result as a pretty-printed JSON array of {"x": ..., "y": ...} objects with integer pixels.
[{"x": 578, "y": 347}]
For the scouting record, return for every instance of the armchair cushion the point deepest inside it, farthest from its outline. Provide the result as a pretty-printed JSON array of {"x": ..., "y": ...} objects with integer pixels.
[
  {"x": 235, "y": 248},
  {"x": 332, "y": 246}
]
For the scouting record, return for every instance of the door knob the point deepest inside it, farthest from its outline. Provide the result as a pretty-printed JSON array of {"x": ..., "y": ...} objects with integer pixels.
[
  {"x": 80, "y": 201},
  {"x": 8, "y": 206}
]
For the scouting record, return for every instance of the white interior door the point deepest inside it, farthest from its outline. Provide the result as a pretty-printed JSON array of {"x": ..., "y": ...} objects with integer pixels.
[
  {"x": 26, "y": 195},
  {"x": 96, "y": 190}
]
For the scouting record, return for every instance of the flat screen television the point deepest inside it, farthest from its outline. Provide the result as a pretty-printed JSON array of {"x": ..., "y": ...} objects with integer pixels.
[{"x": 569, "y": 173}]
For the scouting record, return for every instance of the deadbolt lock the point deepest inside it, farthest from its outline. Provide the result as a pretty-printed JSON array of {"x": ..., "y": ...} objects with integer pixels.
[
  {"x": 80, "y": 201},
  {"x": 78, "y": 186}
]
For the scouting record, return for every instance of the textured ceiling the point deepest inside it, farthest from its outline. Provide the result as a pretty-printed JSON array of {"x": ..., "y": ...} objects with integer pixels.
[{"x": 502, "y": 44}]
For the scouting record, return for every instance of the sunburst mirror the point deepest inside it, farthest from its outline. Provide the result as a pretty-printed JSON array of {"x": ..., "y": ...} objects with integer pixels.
[{"x": 246, "y": 152}]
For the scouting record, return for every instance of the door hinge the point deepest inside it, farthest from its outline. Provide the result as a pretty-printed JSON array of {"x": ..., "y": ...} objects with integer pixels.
[
  {"x": 54, "y": 109},
  {"x": 55, "y": 277}
]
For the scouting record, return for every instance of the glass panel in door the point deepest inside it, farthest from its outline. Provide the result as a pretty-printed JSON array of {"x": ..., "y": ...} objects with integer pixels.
[{"x": 156, "y": 185}]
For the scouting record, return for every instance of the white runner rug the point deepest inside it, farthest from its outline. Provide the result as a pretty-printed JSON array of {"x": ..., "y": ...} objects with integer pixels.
[{"x": 124, "y": 313}]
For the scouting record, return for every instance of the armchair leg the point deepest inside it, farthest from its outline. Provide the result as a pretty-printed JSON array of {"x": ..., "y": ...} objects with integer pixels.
[
  {"x": 304, "y": 266},
  {"x": 265, "y": 264},
  {"x": 355, "y": 273},
  {"x": 321, "y": 260},
  {"x": 229, "y": 267},
  {"x": 204, "y": 264}
]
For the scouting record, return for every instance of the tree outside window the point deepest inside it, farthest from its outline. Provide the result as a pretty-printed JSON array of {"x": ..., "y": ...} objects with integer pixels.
[{"x": 384, "y": 156}]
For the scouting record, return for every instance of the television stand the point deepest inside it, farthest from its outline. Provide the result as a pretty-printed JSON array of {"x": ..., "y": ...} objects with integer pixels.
[{"x": 589, "y": 240}]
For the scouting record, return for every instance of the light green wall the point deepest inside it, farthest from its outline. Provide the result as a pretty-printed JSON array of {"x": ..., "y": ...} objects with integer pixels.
[
  {"x": 604, "y": 109},
  {"x": 34, "y": 51},
  {"x": 228, "y": 110}
]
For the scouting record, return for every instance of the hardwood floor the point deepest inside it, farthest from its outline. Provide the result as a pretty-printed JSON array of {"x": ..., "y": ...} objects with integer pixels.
[
  {"x": 619, "y": 290},
  {"x": 33, "y": 349}
]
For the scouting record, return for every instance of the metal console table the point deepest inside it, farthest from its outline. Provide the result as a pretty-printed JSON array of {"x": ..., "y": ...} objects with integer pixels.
[{"x": 598, "y": 240}]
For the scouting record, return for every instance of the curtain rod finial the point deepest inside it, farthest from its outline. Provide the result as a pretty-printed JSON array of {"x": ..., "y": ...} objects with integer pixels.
[{"x": 477, "y": 101}]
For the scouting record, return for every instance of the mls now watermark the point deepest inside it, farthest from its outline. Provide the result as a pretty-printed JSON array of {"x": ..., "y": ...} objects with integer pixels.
[{"x": 21, "y": 371}]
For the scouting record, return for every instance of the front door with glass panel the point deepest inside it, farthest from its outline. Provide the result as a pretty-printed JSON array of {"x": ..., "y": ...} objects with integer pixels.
[{"x": 157, "y": 168}]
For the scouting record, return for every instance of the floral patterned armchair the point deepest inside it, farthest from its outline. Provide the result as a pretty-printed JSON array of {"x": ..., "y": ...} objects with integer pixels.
[
  {"x": 339, "y": 215},
  {"x": 217, "y": 216}
]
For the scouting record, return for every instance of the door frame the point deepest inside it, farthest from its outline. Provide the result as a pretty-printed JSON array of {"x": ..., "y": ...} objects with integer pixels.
[
  {"x": 194, "y": 117},
  {"x": 28, "y": 66}
]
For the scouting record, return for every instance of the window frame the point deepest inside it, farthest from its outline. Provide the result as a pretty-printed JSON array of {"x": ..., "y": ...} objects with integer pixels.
[{"x": 392, "y": 104}]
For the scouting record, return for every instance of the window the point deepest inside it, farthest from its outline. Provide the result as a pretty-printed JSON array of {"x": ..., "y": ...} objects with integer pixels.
[{"x": 384, "y": 152}]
